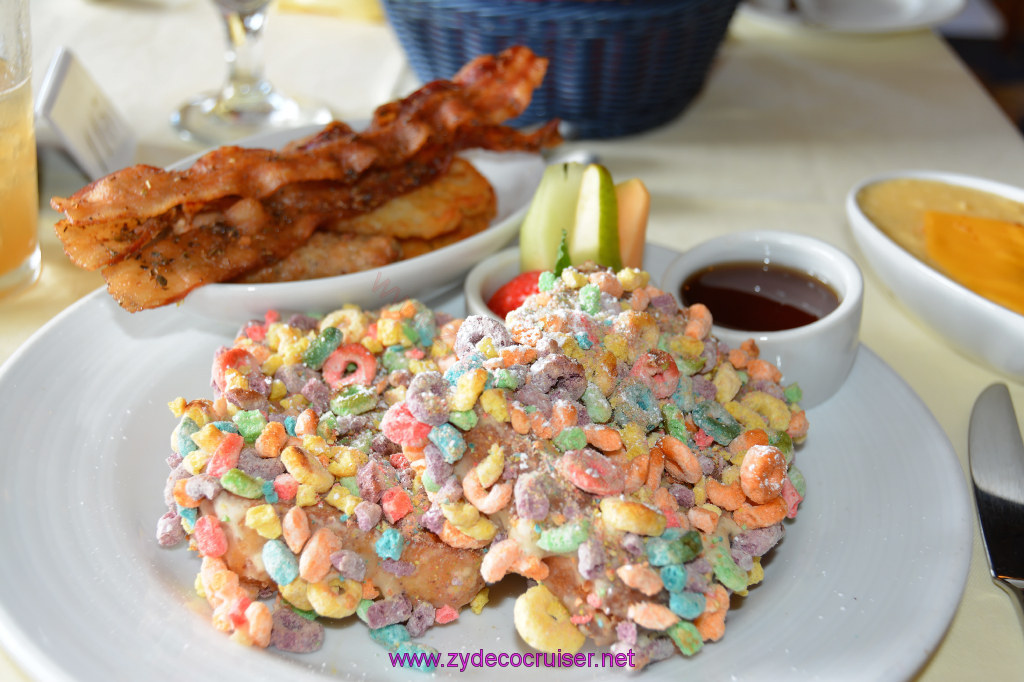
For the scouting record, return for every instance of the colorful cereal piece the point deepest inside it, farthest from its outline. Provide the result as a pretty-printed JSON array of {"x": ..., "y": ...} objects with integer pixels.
[
  {"x": 226, "y": 455},
  {"x": 401, "y": 427},
  {"x": 395, "y": 503},
  {"x": 634, "y": 403},
  {"x": 631, "y": 517},
  {"x": 467, "y": 389},
  {"x": 673, "y": 549},
  {"x": 271, "y": 440},
  {"x": 544, "y": 623},
  {"x": 353, "y": 399},
  {"x": 674, "y": 576},
  {"x": 479, "y": 601},
  {"x": 762, "y": 473},
  {"x": 711, "y": 623},
  {"x": 349, "y": 564},
  {"x": 295, "y": 527},
  {"x": 421, "y": 620},
  {"x": 716, "y": 421},
  {"x": 487, "y": 501},
  {"x": 241, "y": 484},
  {"x": 687, "y": 605},
  {"x": 725, "y": 568},
  {"x": 181, "y": 438},
  {"x": 335, "y": 598},
  {"x": 209, "y": 537},
  {"x": 592, "y": 472},
  {"x": 761, "y": 515},
  {"x": 796, "y": 477},
  {"x": 286, "y": 487},
  {"x": 590, "y": 299},
  {"x": 658, "y": 370},
  {"x": 315, "y": 560},
  {"x": 181, "y": 496},
  {"x": 281, "y": 565},
  {"x": 250, "y": 424},
  {"x": 449, "y": 441},
  {"x": 465, "y": 420},
  {"x": 293, "y": 633},
  {"x": 336, "y": 369},
  {"x": 264, "y": 520},
  {"x": 686, "y": 637},
  {"x": 390, "y": 636},
  {"x": 771, "y": 408},
  {"x": 565, "y": 538},
  {"x": 259, "y": 623},
  {"x": 307, "y": 469},
  {"x": 234, "y": 359},
  {"x": 651, "y": 615},
  {"x": 640, "y": 577},
  {"x": 321, "y": 347},
  {"x": 491, "y": 467},
  {"x": 572, "y": 438},
  {"x": 598, "y": 408},
  {"x": 728, "y": 497},
  {"x": 390, "y": 544},
  {"x": 476, "y": 536},
  {"x": 680, "y": 455},
  {"x": 446, "y": 614}
]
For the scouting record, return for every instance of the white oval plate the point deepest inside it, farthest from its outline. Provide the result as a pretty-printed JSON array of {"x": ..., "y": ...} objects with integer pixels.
[
  {"x": 862, "y": 587},
  {"x": 856, "y": 16},
  {"x": 514, "y": 177},
  {"x": 977, "y": 327}
]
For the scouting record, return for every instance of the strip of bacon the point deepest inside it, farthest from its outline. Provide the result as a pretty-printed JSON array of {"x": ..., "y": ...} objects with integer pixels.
[
  {"x": 248, "y": 234},
  {"x": 114, "y": 216}
]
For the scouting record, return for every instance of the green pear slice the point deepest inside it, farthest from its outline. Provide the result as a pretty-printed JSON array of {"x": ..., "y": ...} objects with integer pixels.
[
  {"x": 595, "y": 235},
  {"x": 552, "y": 212},
  {"x": 634, "y": 208}
]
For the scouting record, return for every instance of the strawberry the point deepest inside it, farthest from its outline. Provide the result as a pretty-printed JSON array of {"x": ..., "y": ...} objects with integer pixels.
[{"x": 512, "y": 294}]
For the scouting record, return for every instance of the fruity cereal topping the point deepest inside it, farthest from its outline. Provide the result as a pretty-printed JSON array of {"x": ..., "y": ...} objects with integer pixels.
[{"x": 393, "y": 464}]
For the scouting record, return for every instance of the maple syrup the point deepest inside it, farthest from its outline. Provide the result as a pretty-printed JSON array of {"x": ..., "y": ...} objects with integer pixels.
[{"x": 759, "y": 296}]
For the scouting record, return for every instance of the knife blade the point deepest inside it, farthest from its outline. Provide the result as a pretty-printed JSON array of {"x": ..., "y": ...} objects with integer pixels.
[{"x": 996, "y": 458}]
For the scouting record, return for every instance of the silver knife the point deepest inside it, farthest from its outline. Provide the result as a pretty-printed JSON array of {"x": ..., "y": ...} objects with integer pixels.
[{"x": 996, "y": 455}]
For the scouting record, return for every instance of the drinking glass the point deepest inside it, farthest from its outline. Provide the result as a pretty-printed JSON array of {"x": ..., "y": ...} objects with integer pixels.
[
  {"x": 247, "y": 104},
  {"x": 19, "y": 192}
]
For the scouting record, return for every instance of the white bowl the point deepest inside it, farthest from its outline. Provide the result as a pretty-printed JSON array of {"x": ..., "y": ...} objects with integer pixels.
[
  {"x": 817, "y": 356},
  {"x": 514, "y": 176},
  {"x": 977, "y": 327},
  {"x": 491, "y": 273}
]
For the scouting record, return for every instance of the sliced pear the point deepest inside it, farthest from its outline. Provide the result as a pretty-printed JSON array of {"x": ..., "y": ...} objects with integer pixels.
[
  {"x": 552, "y": 212},
  {"x": 634, "y": 207},
  {"x": 595, "y": 235}
]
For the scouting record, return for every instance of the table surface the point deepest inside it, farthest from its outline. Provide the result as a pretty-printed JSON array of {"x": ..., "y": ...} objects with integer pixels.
[{"x": 790, "y": 119}]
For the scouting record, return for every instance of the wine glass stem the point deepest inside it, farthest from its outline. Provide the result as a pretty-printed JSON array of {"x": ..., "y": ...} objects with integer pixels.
[{"x": 245, "y": 53}]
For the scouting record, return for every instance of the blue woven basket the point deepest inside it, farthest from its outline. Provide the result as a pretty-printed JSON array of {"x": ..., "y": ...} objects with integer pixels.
[{"x": 617, "y": 66}]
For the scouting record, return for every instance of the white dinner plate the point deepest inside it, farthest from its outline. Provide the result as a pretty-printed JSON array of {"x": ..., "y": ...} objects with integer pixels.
[
  {"x": 854, "y": 16},
  {"x": 514, "y": 177},
  {"x": 862, "y": 587},
  {"x": 980, "y": 329}
]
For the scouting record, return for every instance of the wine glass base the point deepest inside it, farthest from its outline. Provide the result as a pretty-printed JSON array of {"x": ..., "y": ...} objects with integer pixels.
[
  {"x": 22, "y": 276},
  {"x": 214, "y": 120}
]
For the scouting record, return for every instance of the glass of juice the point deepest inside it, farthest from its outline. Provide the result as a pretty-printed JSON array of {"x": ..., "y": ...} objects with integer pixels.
[{"x": 19, "y": 193}]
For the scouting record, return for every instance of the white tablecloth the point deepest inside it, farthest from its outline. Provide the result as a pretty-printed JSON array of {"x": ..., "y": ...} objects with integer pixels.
[{"x": 789, "y": 121}]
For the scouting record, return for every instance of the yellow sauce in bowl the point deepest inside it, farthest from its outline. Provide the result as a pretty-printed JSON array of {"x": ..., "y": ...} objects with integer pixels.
[{"x": 974, "y": 237}]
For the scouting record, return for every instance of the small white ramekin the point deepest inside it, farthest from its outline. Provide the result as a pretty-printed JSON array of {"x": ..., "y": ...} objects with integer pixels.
[
  {"x": 487, "y": 277},
  {"x": 817, "y": 356}
]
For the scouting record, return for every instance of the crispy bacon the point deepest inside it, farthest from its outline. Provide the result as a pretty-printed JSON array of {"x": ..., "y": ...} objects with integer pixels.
[
  {"x": 174, "y": 263},
  {"x": 334, "y": 173}
]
